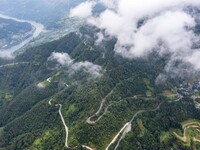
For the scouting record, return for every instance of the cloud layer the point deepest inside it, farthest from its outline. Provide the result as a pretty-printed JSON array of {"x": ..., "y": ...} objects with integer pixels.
[
  {"x": 65, "y": 60},
  {"x": 141, "y": 27},
  {"x": 6, "y": 55},
  {"x": 83, "y": 10}
]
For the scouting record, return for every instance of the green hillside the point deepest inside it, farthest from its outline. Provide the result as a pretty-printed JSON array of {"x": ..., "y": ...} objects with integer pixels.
[{"x": 31, "y": 91}]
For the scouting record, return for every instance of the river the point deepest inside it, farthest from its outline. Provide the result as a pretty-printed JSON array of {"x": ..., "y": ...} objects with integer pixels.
[{"x": 38, "y": 28}]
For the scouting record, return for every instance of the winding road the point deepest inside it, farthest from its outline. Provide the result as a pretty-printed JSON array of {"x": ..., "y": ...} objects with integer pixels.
[
  {"x": 178, "y": 99},
  {"x": 50, "y": 102},
  {"x": 92, "y": 122},
  {"x": 126, "y": 128},
  {"x": 117, "y": 135},
  {"x": 185, "y": 138},
  {"x": 63, "y": 121},
  {"x": 87, "y": 147},
  {"x": 13, "y": 64},
  {"x": 89, "y": 121},
  {"x": 66, "y": 128}
]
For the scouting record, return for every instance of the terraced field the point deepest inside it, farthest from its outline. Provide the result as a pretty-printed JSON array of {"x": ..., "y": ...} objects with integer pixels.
[{"x": 191, "y": 133}]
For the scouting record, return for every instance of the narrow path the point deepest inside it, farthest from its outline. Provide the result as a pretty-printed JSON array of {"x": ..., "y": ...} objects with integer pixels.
[
  {"x": 63, "y": 121},
  {"x": 105, "y": 111},
  {"x": 117, "y": 135},
  {"x": 66, "y": 128},
  {"x": 127, "y": 126},
  {"x": 92, "y": 122},
  {"x": 49, "y": 80},
  {"x": 191, "y": 123},
  {"x": 50, "y": 102},
  {"x": 87, "y": 147},
  {"x": 185, "y": 138},
  {"x": 126, "y": 130},
  {"x": 196, "y": 140},
  {"x": 103, "y": 101},
  {"x": 178, "y": 99},
  {"x": 13, "y": 64},
  {"x": 89, "y": 119}
]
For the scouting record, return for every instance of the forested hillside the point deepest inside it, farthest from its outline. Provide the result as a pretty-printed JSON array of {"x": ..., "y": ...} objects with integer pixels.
[{"x": 97, "y": 92}]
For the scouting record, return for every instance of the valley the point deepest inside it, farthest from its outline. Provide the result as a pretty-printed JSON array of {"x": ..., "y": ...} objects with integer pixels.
[
  {"x": 37, "y": 28},
  {"x": 13, "y": 32},
  {"x": 99, "y": 75}
]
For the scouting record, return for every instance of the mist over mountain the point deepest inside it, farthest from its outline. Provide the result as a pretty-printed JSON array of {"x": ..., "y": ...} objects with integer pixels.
[
  {"x": 165, "y": 27},
  {"x": 99, "y": 75}
]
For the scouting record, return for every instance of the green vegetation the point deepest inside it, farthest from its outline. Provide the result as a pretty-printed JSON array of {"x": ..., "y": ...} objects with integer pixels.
[
  {"x": 191, "y": 132},
  {"x": 165, "y": 136},
  {"x": 160, "y": 127},
  {"x": 170, "y": 94},
  {"x": 1, "y": 131},
  {"x": 149, "y": 87},
  {"x": 44, "y": 139},
  {"x": 28, "y": 121},
  {"x": 141, "y": 126}
]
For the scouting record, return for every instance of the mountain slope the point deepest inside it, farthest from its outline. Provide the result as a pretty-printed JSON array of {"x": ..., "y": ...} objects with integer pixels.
[{"x": 94, "y": 109}]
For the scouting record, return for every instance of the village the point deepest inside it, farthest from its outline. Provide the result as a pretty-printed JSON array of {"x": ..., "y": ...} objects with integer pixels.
[{"x": 192, "y": 90}]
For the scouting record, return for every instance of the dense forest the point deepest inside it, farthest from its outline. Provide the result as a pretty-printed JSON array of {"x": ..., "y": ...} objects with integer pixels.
[{"x": 30, "y": 92}]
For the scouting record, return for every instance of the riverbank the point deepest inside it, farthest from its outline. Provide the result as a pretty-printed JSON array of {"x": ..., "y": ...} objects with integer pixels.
[{"x": 38, "y": 28}]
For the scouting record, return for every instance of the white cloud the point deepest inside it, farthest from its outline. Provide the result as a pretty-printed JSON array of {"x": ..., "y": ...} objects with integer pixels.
[
  {"x": 83, "y": 10},
  {"x": 65, "y": 60},
  {"x": 88, "y": 67},
  {"x": 194, "y": 59},
  {"x": 167, "y": 27},
  {"x": 61, "y": 58},
  {"x": 100, "y": 38},
  {"x": 6, "y": 54}
]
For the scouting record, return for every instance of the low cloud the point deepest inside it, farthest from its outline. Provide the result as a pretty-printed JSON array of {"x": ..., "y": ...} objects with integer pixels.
[
  {"x": 194, "y": 59},
  {"x": 65, "y": 60},
  {"x": 61, "y": 58},
  {"x": 142, "y": 27},
  {"x": 6, "y": 54},
  {"x": 83, "y": 10}
]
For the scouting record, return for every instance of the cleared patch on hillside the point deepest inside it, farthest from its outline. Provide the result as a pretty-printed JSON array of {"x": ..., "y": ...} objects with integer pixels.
[{"x": 191, "y": 133}]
